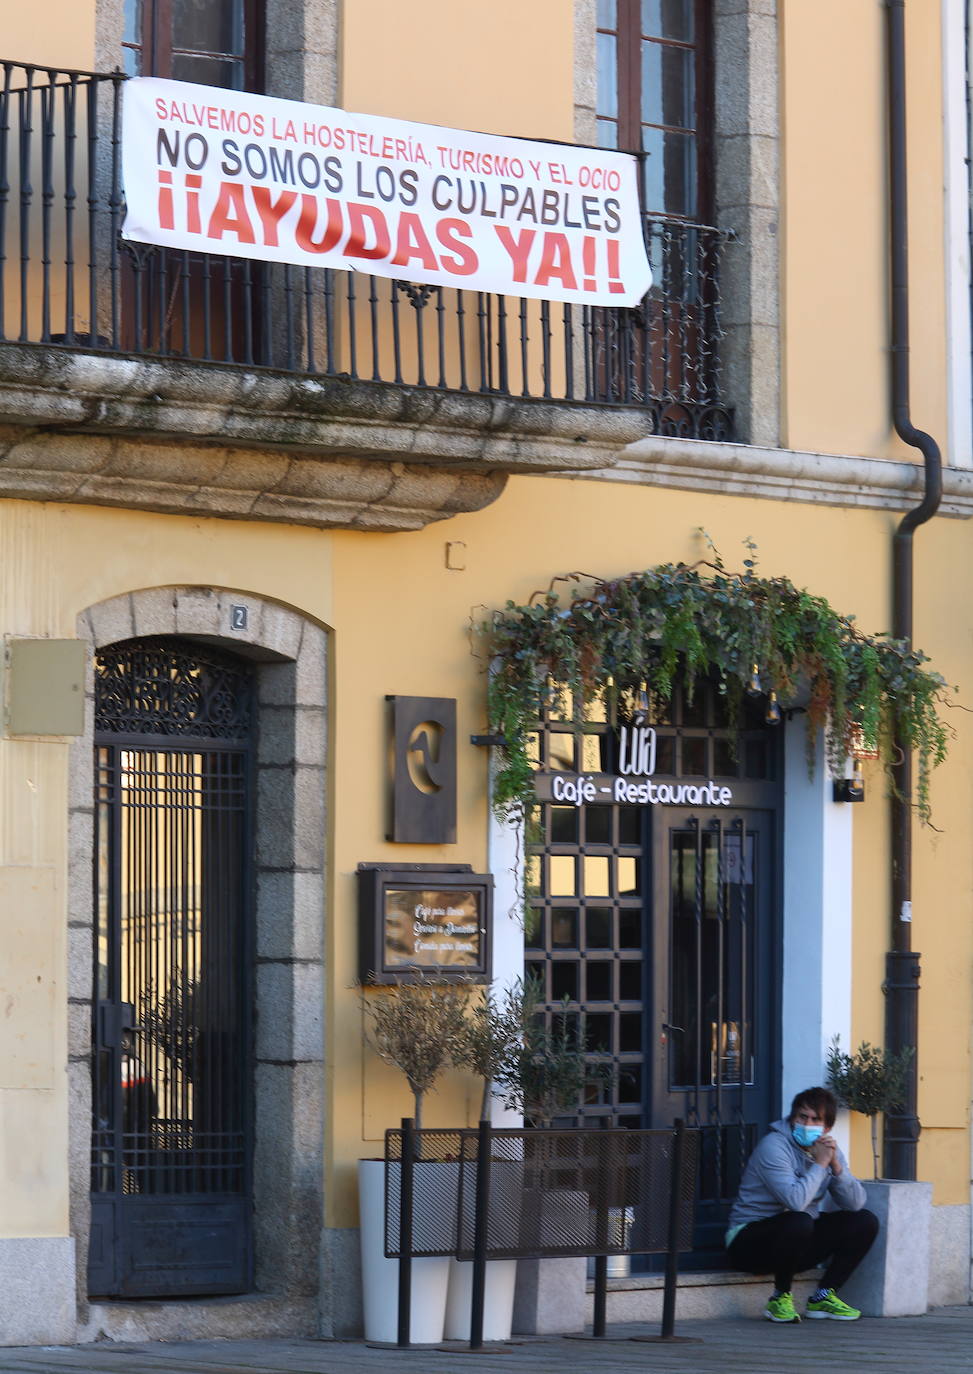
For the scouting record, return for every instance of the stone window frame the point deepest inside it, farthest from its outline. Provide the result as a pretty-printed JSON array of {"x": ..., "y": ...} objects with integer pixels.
[
  {"x": 290, "y": 655},
  {"x": 746, "y": 151},
  {"x": 300, "y": 55}
]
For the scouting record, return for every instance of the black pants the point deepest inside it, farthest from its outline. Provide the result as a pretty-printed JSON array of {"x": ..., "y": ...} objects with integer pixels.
[{"x": 790, "y": 1242}]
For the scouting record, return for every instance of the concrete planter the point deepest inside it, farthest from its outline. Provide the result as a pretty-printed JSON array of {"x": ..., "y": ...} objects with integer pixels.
[
  {"x": 893, "y": 1278},
  {"x": 550, "y": 1295}
]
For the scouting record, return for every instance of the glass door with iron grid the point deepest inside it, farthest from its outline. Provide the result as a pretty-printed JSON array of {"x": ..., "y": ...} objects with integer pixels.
[
  {"x": 171, "y": 1115},
  {"x": 713, "y": 1007},
  {"x": 645, "y": 917}
]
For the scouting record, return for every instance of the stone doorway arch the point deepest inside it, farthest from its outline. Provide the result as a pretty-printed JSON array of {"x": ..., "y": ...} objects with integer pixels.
[{"x": 290, "y": 657}]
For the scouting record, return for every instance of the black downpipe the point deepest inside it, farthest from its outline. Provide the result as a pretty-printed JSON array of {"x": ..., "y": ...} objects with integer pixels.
[{"x": 902, "y": 962}]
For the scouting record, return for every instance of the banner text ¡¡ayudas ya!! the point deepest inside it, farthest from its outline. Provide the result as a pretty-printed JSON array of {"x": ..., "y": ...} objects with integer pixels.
[{"x": 252, "y": 176}]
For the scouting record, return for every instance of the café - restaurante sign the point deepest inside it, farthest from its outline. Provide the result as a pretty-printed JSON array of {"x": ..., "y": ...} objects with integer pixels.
[{"x": 633, "y": 784}]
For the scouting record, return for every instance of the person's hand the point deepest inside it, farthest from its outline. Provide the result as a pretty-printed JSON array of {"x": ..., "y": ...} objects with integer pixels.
[{"x": 823, "y": 1152}]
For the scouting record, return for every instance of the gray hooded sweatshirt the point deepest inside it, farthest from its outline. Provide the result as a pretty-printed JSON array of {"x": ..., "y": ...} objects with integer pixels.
[{"x": 781, "y": 1177}]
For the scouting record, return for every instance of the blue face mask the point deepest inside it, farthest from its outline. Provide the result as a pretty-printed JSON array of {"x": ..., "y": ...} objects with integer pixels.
[{"x": 806, "y": 1135}]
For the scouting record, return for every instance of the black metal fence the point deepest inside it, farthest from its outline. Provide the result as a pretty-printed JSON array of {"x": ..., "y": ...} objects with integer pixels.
[
  {"x": 490, "y": 1194},
  {"x": 66, "y": 278}
]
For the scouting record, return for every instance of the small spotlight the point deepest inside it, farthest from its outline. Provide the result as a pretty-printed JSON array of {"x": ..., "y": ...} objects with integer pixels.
[
  {"x": 772, "y": 714},
  {"x": 753, "y": 686}
]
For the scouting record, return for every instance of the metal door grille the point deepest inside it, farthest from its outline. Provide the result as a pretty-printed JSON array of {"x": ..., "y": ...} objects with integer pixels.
[{"x": 172, "y": 1028}]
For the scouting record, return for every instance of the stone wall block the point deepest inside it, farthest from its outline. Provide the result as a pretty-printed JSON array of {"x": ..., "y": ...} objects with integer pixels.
[
  {"x": 275, "y": 742},
  {"x": 949, "y": 1246},
  {"x": 112, "y": 621},
  {"x": 732, "y": 97},
  {"x": 275, "y": 928},
  {"x": 309, "y": 806},
  {"x": 253, "y": 633},
  {"x": 311, "y": 736},
  {"x": 275, "y": 1015},
  {"x": 81, "y": 842},
  {"x": 80, "y": 951},
  {"x": 275, "y": 817},
  {"x": 81, "y": 766},
  {"x": 311, "y": 685},
  {"x": 342, "y": 1314},
  {"x": 79, "y": 1032},
  {"x": 308, "y": 1012},
  {"x": 155, "y": 611},
  {"x": 281, "y": 630},
  {"x": 274, "y": 1101},
  {"x": 309, "y": 914},
  {"x": 275, "y": 684},
  {"x": 198, "y": 612}
]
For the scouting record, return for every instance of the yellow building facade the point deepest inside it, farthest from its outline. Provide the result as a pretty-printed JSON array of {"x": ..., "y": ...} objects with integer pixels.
[{"x": 293, "y": 541}]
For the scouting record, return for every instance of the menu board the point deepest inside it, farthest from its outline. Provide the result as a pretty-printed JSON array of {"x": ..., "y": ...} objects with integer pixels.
[
  {"x": 422, "y": 921},
  {"x": 432, "y": 928}
]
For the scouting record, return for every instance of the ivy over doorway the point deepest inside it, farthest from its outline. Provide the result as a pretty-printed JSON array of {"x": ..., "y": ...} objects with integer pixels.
[{"x": 649, "y": 632}]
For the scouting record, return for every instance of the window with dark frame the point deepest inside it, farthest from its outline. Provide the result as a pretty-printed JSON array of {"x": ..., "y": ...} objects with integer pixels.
[
  {"x": 653, "y": 75},
  {"x": 210, "y": 42}
]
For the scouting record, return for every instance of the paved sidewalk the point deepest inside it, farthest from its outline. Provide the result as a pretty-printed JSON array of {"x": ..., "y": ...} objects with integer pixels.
[{"x": 939, "y": 1343}]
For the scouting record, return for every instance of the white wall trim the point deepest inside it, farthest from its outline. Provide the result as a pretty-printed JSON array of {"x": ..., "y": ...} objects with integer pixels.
[
  {"x": 817, "y": 925},
  {"x": 956, "y": 216},
  {"x": 777, "y": 474}
]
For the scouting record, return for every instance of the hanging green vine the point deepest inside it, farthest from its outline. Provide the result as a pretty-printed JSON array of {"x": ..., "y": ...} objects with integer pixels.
[{"x": 681, "y": 622}]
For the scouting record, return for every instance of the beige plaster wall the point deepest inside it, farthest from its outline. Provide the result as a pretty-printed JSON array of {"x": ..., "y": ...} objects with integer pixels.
[
  {"x": 504, "y": 67},
  {"x": 834, "y": 226},
  {"x": 62, "y": 36}
]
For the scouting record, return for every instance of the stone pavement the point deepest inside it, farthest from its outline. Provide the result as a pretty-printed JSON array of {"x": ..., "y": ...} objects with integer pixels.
[{"x": 938, "y": 1343}]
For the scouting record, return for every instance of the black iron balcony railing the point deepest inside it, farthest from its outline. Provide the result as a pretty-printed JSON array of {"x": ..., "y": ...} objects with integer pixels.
[{"x": 68, "y": 279}]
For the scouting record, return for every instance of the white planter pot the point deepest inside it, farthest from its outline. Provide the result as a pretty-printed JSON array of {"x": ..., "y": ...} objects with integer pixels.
[
  {"x": 380, "y": 1276},
  {"x": 498, "y": 1300},
  {"x": 506, "y": 1198}
]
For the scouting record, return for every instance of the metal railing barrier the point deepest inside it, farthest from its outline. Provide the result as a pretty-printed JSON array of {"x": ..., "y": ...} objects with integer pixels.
[{"x": 485, "y": 1193}]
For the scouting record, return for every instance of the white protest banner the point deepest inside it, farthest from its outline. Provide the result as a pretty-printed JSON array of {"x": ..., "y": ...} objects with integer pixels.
[{"x": 251, "y": 176}]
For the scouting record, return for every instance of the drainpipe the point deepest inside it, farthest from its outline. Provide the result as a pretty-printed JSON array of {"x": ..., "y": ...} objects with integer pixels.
[{"x": 902, "y": 962}]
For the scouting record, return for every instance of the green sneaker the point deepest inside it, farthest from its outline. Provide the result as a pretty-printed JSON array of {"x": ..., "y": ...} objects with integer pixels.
[
  {"x": 781, "y": 1309},
  {"x": 832, "y": 1306}
]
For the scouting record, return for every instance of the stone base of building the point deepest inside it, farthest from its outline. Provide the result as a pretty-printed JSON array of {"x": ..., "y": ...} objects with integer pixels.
[
  {"x": 37, "y": 1291},
  {"x": 247, "y": 1317}
]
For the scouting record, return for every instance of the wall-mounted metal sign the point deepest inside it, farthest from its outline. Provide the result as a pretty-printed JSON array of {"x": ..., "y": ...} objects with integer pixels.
[
  {"x": 420, "y": 920},
  {"x": 423, "y": 804},
  {"x": 633, "y": 784}
]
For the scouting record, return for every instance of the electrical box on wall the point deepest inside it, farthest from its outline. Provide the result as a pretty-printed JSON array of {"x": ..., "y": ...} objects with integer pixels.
[{"x": 45, "y": 686}]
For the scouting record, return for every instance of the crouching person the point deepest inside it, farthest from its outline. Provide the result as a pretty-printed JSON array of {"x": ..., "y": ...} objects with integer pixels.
[{"x": 777, "y": 1225}]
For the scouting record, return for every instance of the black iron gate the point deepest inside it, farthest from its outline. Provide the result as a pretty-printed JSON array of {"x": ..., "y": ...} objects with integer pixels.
[{"x": 171, "y": 1127}]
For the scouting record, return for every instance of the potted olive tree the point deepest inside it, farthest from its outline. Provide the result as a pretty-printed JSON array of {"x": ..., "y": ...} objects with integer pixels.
[
  {"x": 893, "y": 1278},
  {"x": 415, "y": 1027},
  {"x": 869, "y": 1081}
]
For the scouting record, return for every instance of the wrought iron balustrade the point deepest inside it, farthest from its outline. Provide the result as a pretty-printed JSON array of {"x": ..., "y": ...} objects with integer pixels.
[{"x": 67, "y": 279}]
